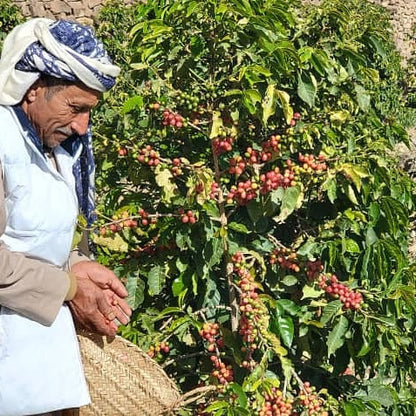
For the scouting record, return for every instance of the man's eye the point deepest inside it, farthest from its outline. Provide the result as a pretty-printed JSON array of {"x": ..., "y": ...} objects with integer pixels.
[{"x": 77, "y": 109}]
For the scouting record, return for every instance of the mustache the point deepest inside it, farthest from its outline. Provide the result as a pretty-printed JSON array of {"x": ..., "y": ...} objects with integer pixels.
[{"x": 65, "y": 131}]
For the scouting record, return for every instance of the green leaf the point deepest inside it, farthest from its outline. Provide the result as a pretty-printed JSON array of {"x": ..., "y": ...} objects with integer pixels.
[
  {"x": 289, "y": 306},
  {"x": 241, "y": 395},
  {"x": 292, "y": 199},
  {"x": 178, "y": 286},
  {"x": 354, "y": 173},
  {"x": 311, "y": 292},
  {"x": 216, "y": 406},
  {"x": 339, "y": 117},
  {"x": 250, "y": 99},
  {"x": 350, "y": 409},
  {"x": 240, "y": 228},
  {"x": 213, "y": 251},
  {"x": 330, "y": 310},
  {"x": 286, "y": 329},
  {"x": 350, "y": 246},
  {"x": 156, "y": 280},
  {"x": 363, "y": 98},
  {"x": 132, "y": 103},
  {"x": 307, "y": 88},
  {"x": 330, "y": 186},
  {"x": 135, "y": 288},
  {"x": 290, "y": 280},
  {"x": 336, "y": 338},
  {"x": 380, "y": 394}
]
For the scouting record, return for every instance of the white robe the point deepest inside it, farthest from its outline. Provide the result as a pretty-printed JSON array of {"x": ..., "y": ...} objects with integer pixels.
[{"x": 40, "y": 366}]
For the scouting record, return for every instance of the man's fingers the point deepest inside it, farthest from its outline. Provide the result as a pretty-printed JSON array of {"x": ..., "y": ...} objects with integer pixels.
[
  {"x": 117, "y": 287},
  {"x": 101, "y": 276},
  {"x": 122, "y": 305}
]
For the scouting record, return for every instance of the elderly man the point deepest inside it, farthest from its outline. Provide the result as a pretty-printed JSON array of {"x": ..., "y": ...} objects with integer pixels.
[{"x": 51, "y": 76}]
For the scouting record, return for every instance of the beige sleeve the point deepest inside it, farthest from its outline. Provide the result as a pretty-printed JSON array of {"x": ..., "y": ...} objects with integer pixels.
[{"x": 28, "y": 286}]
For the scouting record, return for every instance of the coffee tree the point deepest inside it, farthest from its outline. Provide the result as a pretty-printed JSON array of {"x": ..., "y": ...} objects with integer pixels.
[{"x": 250, "y": 200}]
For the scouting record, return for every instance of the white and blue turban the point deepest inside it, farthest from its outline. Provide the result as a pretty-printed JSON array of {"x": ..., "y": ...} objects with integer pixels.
[{"x": 66, "y": 50}]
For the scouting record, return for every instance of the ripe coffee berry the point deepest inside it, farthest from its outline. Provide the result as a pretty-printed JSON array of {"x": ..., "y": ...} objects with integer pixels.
[
  {"x": 243, "y": 193},
  {"x": 148, "y": 156},
  {"x": 172, "y": 119},
  {"x": 350, "y": 299},
  {"x": 220, "y": 145}
]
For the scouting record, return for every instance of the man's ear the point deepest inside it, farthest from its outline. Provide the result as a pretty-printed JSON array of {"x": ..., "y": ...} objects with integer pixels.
[{"x": 34, "y": 90}]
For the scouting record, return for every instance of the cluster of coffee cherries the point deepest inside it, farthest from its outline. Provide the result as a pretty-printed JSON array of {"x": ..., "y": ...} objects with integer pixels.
[
  {"x": 176, "y": 167},
  {"x": 158, "y": 349},
  {"x": 187, "y": 216},
  {"x": 254, "y": 157},
  {"x": 148, "y": 156},
  {"x": 120, "y": 222},
  {"x": 286, "y": 258},
  {"x": 350, "y": 299},
  {"x": 187, "y": 101},
  {"x": 276, "y": 178},
  {"x": 222, "y": 372},
  {"x": 221, "y": 145},
  {"x": 122, "y": 151},
  {"x": 243, "y": 192},
  {"x": 296, "y": 117},
  {"x": 210, "y": 332},
  {"x": 172, "y": 119},
  {"x": 311, "y": 402},
  {"x": 276, "y": 404},
  {"x": 314, "y": 269},
  {"x": 144, "y": 217},
  {"x": 237, "y": 165},
  {"x": 214, "y": 190},
  {"x": 254, "y": 317},
  {"x": 126, "y": 220},
  {"x": 309, "y": 163},
  {"x": 271, "y": 146}
]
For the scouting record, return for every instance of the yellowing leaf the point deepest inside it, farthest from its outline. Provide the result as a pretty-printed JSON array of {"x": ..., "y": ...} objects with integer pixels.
[
  {"x": 163, "y": 178},
  {"x": 339, "y": 117},
  {"x": 217, "y": 125},
  {"x": 269, "y": 103},
  {"x": 354, "y": 173},
  {"x": 113, "y": 243},
  {"x": 284, "y": 98}
]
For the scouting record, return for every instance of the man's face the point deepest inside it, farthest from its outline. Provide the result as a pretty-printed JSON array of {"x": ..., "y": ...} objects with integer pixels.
[{"x": 59, "y": 113}]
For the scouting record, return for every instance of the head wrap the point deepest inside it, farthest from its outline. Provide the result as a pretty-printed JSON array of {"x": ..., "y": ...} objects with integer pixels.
[{"x": 66, "y": 50}]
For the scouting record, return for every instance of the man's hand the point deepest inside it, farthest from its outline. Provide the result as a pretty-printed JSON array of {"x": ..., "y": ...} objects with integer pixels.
[{"x": 99, "y": 300}]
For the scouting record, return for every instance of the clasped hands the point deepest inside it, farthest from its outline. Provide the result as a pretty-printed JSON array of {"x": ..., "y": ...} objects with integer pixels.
[{"x": 99, "y": 303}]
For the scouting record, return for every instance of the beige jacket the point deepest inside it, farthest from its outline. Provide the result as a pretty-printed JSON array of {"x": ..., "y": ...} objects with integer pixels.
[{"x": 29, "y": 286}]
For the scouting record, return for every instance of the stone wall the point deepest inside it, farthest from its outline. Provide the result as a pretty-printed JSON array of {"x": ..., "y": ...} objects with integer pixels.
[{"x": 82, "y": 10}]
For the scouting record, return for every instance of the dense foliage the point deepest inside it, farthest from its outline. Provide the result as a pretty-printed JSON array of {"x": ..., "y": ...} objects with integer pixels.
[
  {"x": 250, "y": 198},
  {"x": 251, "y": 201},
  {"x": 10, "y": 16}
]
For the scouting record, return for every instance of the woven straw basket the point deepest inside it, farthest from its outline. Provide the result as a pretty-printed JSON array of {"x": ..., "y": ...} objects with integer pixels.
[{"x": 123, "y": 380}]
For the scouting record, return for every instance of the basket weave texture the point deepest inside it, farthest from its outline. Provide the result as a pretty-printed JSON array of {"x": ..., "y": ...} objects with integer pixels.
[{"x": 123, "y": 380}]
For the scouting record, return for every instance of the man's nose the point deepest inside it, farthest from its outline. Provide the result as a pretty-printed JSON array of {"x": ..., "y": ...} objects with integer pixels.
[{"x": 80, "y": 123}]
